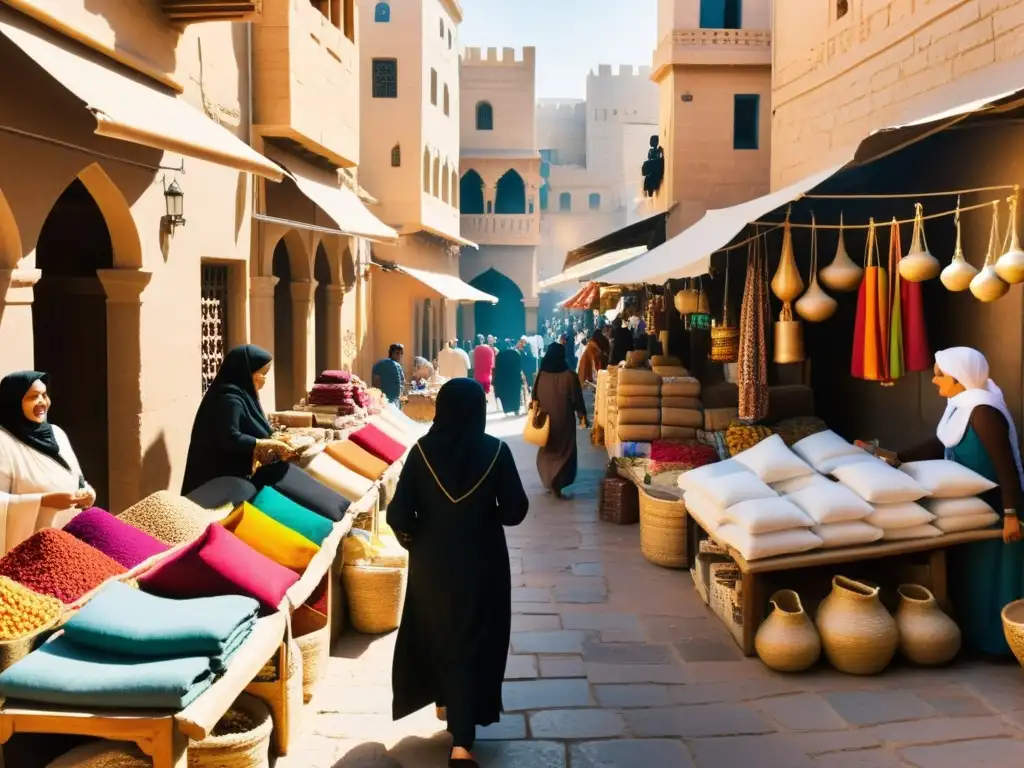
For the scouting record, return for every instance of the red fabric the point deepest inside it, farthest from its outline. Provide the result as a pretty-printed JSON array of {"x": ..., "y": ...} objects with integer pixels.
[
  {"x": 857, "y": 357},
  {"x": 328, "y": 377},
  {"x": 372, "y": 440},
  {"x": 916, "y": 353},
  {"x": 219, "y": 563},
  {"x": 483, "y": 366}
]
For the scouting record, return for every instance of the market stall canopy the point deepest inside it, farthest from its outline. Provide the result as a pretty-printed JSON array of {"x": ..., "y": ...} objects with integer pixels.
[
  {"x": 126, "y": 105},
  {"x": 457, "y": 239},
  {"x": 593, "y": 269},
  {"x": 688, "y": 254},
  {"x": 585, "y": 298},
  {"x": 649, "y": 232},
  {"x": 449, "y": 286},
  {"x": 340, "y": 203}
]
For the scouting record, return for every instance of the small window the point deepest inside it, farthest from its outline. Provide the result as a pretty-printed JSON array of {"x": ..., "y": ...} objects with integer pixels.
[
  {"x": 545, "y": 169},
  {"x": 744, "y": 121},
  {"x": 545, "y": 191},
  {"x": 484, "y": 116},
  {"x": 842, "y": 8},
  {"x": 382, "y": 13},
  {"x": 385, "y": 78},
  {"x": 595, "y": 201},
  {"x": 447, "y": 100},
  {"x": 721, "y": 14},
  {"x": 440, "y": 24},
  {"x": 433, "y": 86},
  {"x": 565, "y": 201},
  {"x": 396, "y": 156},
  {"x": 449, "y": 39}
]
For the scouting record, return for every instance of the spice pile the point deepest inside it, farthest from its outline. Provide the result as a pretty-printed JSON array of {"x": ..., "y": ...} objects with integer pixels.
[
  {"x": 669, "y": 456},
  {"x": 55, "y": 563},
  {"x": 740, "y": 437},
  {"x": 23, "y": 612},
  {"x": 339, "y": 389},
  {"x": 116, "y": 539},
  {"x": 171, "y": 519}
]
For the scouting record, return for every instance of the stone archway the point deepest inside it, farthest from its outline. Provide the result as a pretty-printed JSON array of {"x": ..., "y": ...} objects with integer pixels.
[
  {"x": 507, "y": 318},
  {"x": 471, "y": 193},
  {"x": 511, "y": 194},
  {"x": 293, "y": 302}
]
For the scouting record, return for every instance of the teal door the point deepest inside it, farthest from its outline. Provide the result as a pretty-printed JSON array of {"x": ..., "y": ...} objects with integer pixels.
[
  {"x": 721, "y": 14},
  {"x": 507, "y": 318}
]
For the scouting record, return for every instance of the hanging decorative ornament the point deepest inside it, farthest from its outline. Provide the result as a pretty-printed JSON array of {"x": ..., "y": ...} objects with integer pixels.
[
  {"x": 959, "y": 272},
  {"x": 815, "y": 306},
  {"x": 787, "y": 283},
  {"x": 1010, "y": 266},
  {"x": 843, "y": 274},
  {"x": 987, "y": 285},
  {"x": 789, "y": 337},
  {"x": 919, "y": 265},
  {"x": 725, "y": 337},
  {"x": 686, "y": 301}
]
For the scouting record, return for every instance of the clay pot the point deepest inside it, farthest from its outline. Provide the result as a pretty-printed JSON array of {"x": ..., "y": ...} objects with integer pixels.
[
  {"x": 858, "y": 635},
  {"x": 787, "y": 641},
  {"x": 927, "y": 635},
  {"x": 1013, "y": 628}
]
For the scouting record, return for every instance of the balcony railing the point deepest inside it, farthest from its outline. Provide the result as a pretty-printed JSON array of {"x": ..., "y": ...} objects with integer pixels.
[
  {"x": 715, "y": 46},
  {"x": 194, "y": 11},
  {"x": 502, "y": 229}
]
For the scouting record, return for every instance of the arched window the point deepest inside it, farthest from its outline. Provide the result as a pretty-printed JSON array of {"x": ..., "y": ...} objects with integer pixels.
[
  {"x": 433, "y": 86},
  {"x": 484, "y": 116},
  {"x": 382, "y": 13},
  {"x": 595, "y": 201},
  {"x": 471, "y": 193},
  {"x": 455, "y": 188},
  {"x": 565, "y": 201},
  {"x": 510, "y": 195},
  {"x": 440, "y": 25},
  {"x": 396, "y": 156},
  {"x": 435, "y": 187},
  {"x": 426, "y": 170},
  {"x": 447, "y": 102},
  {"x": 444, "y": 182},
  {"x": 449, "y": 39}
]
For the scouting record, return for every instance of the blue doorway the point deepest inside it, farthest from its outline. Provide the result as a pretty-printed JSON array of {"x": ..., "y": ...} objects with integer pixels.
[{"x": 507, "y": 318}]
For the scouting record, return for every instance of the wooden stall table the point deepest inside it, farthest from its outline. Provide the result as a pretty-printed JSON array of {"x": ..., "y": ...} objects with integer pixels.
[
  {"x": 162, "y": 735},
  {"x": 752, "y": 593}
]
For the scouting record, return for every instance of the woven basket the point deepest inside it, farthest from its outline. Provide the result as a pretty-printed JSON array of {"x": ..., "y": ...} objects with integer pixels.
[
  {"x": 419, "y": 408},
  {"x": 375, "y": 596},
  {"x": 284, "y": 698},
  {"x": 312, "y": 635},
  {"x": 663, "y": 529},
  {"x": 103, "y": 754},
  {"x": 250, "y": 749},
  {"x": 618, "y": 502},
  {"x": 725, "y": 344}
]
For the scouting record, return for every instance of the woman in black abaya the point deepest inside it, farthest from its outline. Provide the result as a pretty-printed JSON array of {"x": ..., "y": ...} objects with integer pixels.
[{"x": 457, "y": 491}]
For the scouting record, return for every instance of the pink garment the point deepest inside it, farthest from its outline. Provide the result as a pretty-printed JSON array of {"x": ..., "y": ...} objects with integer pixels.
[{"x": 483, "y": 366}]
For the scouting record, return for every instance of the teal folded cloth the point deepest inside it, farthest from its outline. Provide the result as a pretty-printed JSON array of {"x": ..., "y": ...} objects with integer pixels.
[
  {"x": 132, "y": 623},
  {"x": 292, "y": 515},
  {"x": 61, "y": 672}
]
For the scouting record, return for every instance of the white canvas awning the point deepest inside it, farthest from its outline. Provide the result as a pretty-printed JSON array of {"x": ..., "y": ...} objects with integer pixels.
[
  {"x": 688, "y": 254},
  {"x": 126, "y": 105},
  {"x": 449, "y": 286},
  {"x": 593, "y": 269}
]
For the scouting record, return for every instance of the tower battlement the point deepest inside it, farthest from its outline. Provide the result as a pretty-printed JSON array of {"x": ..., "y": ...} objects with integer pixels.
[
  {"x": 624, "y": 72},
  {"x": 567, "y": 107},
  {"x": 504, "y": 57}
]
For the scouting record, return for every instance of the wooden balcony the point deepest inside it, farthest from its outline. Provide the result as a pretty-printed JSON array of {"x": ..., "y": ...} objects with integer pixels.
[
  {"x": 193, "y": 11},
  {"x": 502, "y": 229}
]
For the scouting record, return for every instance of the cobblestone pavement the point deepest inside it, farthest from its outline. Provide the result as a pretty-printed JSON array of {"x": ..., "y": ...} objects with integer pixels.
[{"x": 616, "y": 663}]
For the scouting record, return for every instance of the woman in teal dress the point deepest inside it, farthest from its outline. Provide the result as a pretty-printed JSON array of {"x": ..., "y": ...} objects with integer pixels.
[{"x": 977, "y": 431}]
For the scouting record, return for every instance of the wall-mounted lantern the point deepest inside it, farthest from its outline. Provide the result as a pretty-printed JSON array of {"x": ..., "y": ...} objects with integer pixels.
[{"x": 174, "y": 199}]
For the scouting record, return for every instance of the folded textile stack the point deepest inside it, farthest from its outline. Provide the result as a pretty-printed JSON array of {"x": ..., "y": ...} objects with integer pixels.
[
  {"x": 953, "y": 491},
  {"x": 129, "y": 649},
  {"x": 347, "y": 397},
  {"x": 334, "y": 377}
]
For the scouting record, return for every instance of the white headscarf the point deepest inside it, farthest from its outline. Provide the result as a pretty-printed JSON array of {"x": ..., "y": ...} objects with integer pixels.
[{"x": 970, "y": 368}]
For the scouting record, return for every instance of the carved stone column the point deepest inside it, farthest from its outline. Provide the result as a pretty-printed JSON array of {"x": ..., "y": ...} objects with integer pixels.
[
  {"x": 335, "y": 299},
  {"x": 303, "y": 338},
  {"x": 261, "y": 323}
]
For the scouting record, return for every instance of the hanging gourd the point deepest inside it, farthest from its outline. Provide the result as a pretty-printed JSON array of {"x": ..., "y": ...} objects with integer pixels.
[
  {"x": 843, "y": 274},
  {"x": 686, "y": 300},
  {"x": 919, "y": 265},
  {"x": 787, "y": 284},
  {"x": 1010, "y": 266},
  {"x": 959, "y": 272},
  {"x": 987, "y": 285},
  {"x": 815, "y": 306}
]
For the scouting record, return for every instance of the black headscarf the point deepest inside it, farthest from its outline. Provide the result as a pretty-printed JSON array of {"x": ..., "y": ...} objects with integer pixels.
[
  {"x": 457, "y": 446},
  {"x": 554, "y": 359},
  {"x": 235, "y": 377},
  {"x": 36, "y": 435}
]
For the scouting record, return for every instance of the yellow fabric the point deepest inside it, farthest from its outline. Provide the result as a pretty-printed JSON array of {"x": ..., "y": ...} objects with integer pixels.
[
  {"x": 338, "y": 477},
  {"x": 358, "y": 459},
  {"x": 393, "y": 432},
  {"x": 270, "y": 538}
]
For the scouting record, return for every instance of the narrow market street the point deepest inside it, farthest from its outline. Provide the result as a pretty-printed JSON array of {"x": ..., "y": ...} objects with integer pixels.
[{"x": 616, "y": 663}]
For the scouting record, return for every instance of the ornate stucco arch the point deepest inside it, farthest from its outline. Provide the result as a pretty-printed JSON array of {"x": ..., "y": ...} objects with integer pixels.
[
  {"x": 124, "y": 235},
  {"x": 10, "y": 238}
]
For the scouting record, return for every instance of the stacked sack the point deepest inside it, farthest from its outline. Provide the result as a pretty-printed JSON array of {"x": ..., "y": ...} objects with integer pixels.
[
  {"x": 638, "y": 405},
  {"x": 869, "y": 490},
  {"x": 612, "y": 414},
  {"x": 953, "y": 491},
  {"x": 340, "y": 390},
  {"x": 682, "y": 412}
]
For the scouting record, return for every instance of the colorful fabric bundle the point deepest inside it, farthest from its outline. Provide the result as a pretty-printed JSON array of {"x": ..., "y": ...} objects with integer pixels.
[
  {"x": 219, "y": 563},
  {"x": 334, "y": 377},
  {"x": 385, "y": 448},
  {"x": 302, "y": 488},
  {"x": 396, "y": 434},
  {"x": 338, "y": 477},
  {"x": 755, "y": 324},
  {"x": 337, "y": 393},
  {"x": 55, "y": 563},
  {"x": 359, "y": 460},
  {"x": 294, "y": 516},
  {"x": 270, "y": 538},
  {"x": 123, "y": 620},
  {"x": 116, "y": 539},
  {"x": 693, "y": 455},
  {"x": 221, "y": 491}
]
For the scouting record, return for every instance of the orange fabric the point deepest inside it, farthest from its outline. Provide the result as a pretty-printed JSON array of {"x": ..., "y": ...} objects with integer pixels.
[
  {"x": 359, "y": 460},
  {"x": 590, "y": 363}
]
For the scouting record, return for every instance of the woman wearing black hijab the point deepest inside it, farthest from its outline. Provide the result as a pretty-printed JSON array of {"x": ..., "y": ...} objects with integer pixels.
[
  {"x": 508, "y": 379},
  {"x": 457, "y": 491},
  {"x": 558, "y": 392},
  {"x": 41, "y": 482},
  {"x": 231, "y": 429}
]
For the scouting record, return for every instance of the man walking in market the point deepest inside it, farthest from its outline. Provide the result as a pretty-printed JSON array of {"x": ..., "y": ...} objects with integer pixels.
[{"x": 387, "y": 374}]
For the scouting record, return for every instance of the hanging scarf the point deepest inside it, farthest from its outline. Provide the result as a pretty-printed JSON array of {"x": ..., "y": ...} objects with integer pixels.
[
  {"x": 895, "y": 363},
  {"x": 754, "y": 324},
  {"x": 917, "y": 354},
  {"x": 970, "y": 368},
  {"x": 36, "y": 435}
]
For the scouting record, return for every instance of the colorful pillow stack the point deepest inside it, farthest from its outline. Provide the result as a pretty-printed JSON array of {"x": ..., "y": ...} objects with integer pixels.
[
  {"x": 341, "y": 389},
  {"x": 371, "y": 439}
]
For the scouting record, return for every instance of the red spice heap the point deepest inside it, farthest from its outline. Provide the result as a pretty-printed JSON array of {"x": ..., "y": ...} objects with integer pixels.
[{"x": 55, "y": 563}]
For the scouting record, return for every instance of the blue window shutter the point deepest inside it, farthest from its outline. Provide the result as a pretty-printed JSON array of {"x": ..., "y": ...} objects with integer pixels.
[
  {"x": 712, "y": 14},
  {"x": 382, "y": 13},
  {"x": 745, "y": 121}
]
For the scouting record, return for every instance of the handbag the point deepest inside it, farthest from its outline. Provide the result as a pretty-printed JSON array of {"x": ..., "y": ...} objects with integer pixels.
[{"x": 538, "y": 426}]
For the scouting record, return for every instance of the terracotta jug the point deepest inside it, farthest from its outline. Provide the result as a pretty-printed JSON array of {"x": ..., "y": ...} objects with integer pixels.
[
  {"x": 787, "y": 641},
  {"x": 858, "y": 635},
  {"x": 927, "y": 635}
]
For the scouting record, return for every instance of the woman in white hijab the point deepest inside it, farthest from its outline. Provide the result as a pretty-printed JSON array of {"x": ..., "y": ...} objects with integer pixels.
[{"x": 977, "y": 431}]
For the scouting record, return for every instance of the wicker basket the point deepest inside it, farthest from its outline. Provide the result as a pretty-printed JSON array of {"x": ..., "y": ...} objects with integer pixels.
[
  {"x": 420, "y": 408},
  {"x": 103, "y": 754},
  {"x": 663, "y": 529},
  {"x": 282, "y": 696},
  {"x": 618, "y": 502},
  {"x": 725, "y": 344},
  {"x": 12, "y": 651},
  {"x": 312, "y": 634},
  {"x": 250, "y": 749},
  {"x": 725, "y": 597},
  {"x": 375, "y": 596}
]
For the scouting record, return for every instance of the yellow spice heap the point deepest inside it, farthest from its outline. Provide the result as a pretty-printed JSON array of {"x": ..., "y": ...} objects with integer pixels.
[{"x": 23, "y": 611}]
